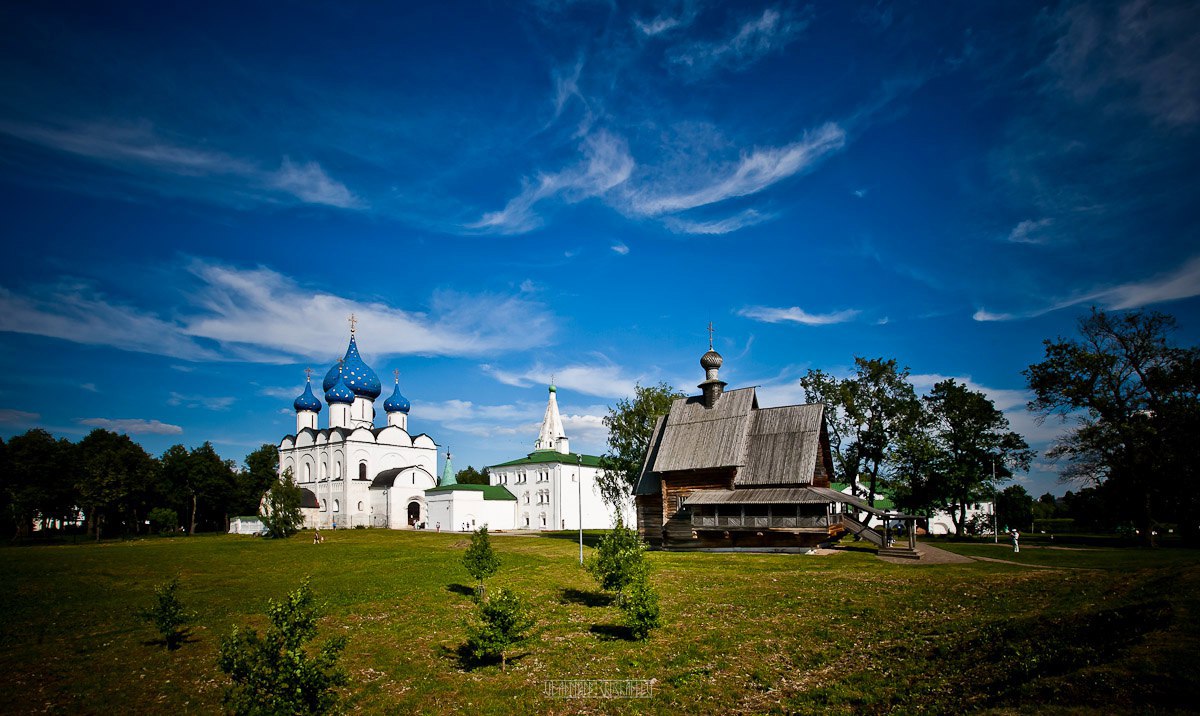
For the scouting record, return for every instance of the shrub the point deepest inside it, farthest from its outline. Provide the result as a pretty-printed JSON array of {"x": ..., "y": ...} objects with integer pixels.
[
  {"x": 168, "y": 615},
  {"x": 280, "y": 513},
  {"x": 619, "y": 560},
  {"x": 480, "y": 559},
  {"x": 640, "y": 605},
  {"x": 504, "y": 622},
  {"x": 275, "y": 674},
  {"x": 163, "y": 520}
]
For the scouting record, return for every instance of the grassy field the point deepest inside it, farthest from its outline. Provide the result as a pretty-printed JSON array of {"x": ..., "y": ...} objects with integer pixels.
[{"x": 1065, "y": 631}]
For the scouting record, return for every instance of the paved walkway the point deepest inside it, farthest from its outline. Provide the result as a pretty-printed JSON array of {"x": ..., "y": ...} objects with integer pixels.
[{"x": 930, "y": 555}]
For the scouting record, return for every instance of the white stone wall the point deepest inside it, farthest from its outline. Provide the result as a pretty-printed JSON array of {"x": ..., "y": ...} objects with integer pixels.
[{"x": 548, "y": 496}]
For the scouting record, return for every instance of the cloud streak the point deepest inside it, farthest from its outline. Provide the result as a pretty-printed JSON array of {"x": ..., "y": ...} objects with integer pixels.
[
  {"x": 133, "y": 426},
  {"x": 260, "y": 315},
  {"x": 202, "y": 171},
  {"x": 604, "y": 379},
  {"x": 1182, "y": 283},
  {"x": 794, "y": 314},
  {"x": 755, "y": 38}
]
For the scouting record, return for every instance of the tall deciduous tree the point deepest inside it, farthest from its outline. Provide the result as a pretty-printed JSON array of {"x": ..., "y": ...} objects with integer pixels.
[
  {"x": 471, "y": 476},
  {"x": 867, "y": 414},
  {"x": 281, "y": 515},
  {"x": 1134, "y": 399},
  {"x": 113, "y": 471},
  {"x": 630, "y": 425},
  {"x": 970, "y": 436},
  {"x": 39, "y": 480},
  {"x": 253, "y": 482}
]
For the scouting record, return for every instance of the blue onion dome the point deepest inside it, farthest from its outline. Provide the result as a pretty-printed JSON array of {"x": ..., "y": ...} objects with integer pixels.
[
  {"x": 397, "y": 403},
  {"x": 339, "y": 393},
  {"x": 307, "y": 401},
  {"x": 357, "y": 374}
]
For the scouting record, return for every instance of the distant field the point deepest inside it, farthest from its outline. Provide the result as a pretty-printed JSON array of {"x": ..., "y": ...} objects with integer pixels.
[{"x": 844, "y": 633}]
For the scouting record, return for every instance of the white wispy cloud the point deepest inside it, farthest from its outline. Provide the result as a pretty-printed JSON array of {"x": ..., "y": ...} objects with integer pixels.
[
  {"x": 133, "y": 426},
  {"x": 603, "y": 379},
  {"x": 620, "y": 248},
  {"x": 741, "y": 220},
  {"x": 754, "y": 171},
  {"x": 261, "y": 315},
  {"x": 664, "y": 21},
  {"x": 754, "y": 38},
  {"x": 1183, "y": 282},
  {"x": 1030, "y": 231},
  {"x": 794, "y": 314},
  {"x": 200, "y": 171},
  {"x": 90, "y": 387},
  {"x": 604, "y": 164},
  {"x": 282, "y": 393},
  {"x": 9, "y": 416},
  {"x": 201, "y": 401}
]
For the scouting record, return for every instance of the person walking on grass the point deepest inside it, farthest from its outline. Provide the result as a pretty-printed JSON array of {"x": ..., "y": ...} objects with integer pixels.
[
  {"x": 1016, "y": 541},
  {"x": 317, "y": 538}
]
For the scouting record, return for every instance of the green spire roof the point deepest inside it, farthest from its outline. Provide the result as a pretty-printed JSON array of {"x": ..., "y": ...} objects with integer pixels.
[{"x": 447, "y": 473}]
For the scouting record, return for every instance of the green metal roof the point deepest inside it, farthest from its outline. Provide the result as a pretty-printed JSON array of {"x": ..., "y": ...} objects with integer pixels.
[
  {"x": 538, "y": 457},
  {"x": 490, "y": 492},
  {"x": 882, "y": 501}
]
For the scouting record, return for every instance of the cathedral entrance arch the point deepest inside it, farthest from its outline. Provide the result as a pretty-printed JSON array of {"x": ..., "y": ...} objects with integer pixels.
[{"x": 414, "y": 513}]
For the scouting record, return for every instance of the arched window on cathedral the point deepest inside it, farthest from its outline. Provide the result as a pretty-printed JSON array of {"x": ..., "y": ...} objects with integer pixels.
[
  {"x": 362, "y": 470},
  {"x": 324, "y": 505},
  {"x": 337, "y": 506},
  {"x": 337, "y": 470},
  {"x": 307, "y": 472},
  {"x": 360, "y": 506}
]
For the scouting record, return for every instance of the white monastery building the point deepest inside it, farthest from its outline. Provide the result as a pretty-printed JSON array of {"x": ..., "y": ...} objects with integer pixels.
[
  {"x": 352, "y": 472},
  {"x": 550, "y": 482}
]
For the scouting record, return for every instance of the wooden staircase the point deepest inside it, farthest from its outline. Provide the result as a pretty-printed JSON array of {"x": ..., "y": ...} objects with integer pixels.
[{"x": 871, "y": 535}]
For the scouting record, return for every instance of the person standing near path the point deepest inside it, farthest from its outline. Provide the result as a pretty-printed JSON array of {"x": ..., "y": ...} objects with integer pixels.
[
  {"x": 1016, "y": 541},
  {"x": 317, "y": 538}
]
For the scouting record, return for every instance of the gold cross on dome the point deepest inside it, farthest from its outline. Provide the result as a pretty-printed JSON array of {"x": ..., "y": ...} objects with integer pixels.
[
  {"x": 710, "y": 335},
  {"x": 396, "y": 373},
  {"x": 353, "y": 321},
  {"x": 308, "y": 374}
]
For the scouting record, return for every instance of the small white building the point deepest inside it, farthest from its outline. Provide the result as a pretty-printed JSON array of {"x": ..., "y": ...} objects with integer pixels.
[
  {"x": 555, "y": 488},
  {"x": 463, "y": 508},
  {"x": 353, "y": 473}
]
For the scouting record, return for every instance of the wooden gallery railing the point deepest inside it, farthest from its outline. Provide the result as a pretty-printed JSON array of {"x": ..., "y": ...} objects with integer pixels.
[{"x": 760, "y": 522}]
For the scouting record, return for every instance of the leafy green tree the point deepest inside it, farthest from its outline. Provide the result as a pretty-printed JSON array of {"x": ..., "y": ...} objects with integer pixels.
[
  {"x": 281, "y": 515},
  {"x": 970, "y": 435},
  {"x": 212, "y": 487},
  {"x": 114, "y": 471},
  {"x": 639, "y": 603},
  {"x": 163, "y": 520},
  {"x": 260, "y": 473},
  {"x": 480, "y": 559},
  {"x": 866, "y": 414},
  {"x": 1134, "y": 398},
  {"x": 504, "y": 621},
  {"x": 471, "y": 476},
  {"x": 168, "y": 615},
  {"x": 39, "y": 480},
  {"x": 619, "y": 559},
  {"x": 277, "y": 673},
  {"x": 1014, "y": 509},
  {"x": 630, "y": 425}
]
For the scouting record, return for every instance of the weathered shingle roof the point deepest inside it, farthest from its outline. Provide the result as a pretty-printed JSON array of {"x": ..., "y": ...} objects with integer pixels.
[
  {"x": 697, "y": 438},
  {"x": 771, "y": 446},
  {"x": 757, "y": 496},
  {"x": 783, "y": 446}
]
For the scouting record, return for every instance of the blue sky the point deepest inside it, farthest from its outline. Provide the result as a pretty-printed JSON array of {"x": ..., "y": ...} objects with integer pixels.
[{"x": 197, "y": 196}]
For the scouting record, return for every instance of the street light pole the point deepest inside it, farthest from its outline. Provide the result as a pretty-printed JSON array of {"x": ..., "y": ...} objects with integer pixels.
[
  {"x": 995, "y": 526},
  {"x": 579, "y": 484}
]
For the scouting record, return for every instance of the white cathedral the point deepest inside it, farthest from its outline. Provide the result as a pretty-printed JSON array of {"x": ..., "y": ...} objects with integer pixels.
[{"x": 353, "y": 474}]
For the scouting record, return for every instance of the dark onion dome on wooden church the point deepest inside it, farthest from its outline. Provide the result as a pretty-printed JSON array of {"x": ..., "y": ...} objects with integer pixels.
[
  {"x": 307, "y": 401},
  {"x": 397, "y": 403},
  {"x": 339, "y": 392},
  {"x": 358, "y": 375},
  {"x": 711, "y": 360}
]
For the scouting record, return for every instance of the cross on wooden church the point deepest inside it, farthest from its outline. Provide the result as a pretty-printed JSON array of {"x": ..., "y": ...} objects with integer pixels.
[
  {"x": 353, "y": 321},
  {"x": 710, "y": 335}
]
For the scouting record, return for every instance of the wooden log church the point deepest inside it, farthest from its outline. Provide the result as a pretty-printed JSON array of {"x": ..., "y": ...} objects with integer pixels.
[{"x": 723, "y": 474}]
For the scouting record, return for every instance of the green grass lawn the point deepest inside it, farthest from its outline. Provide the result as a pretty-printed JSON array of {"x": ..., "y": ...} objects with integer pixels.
[{"x": 743, "y": 633}]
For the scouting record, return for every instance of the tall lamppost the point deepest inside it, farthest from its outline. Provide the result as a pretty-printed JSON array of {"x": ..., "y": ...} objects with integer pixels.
[
  {"x": 995, "y": 526},
  {"x": 579, "y": 484}
]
